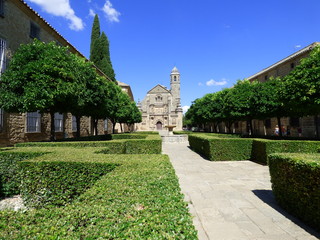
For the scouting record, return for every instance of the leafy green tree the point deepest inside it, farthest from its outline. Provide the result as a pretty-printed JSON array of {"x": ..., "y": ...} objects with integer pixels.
[
  {"x": 39, "y": 78},
  {"x": 117, "y": 109},
  {"x": 301, "y": 87},
  {"x": 100, "y": 100},
  {"x": 209, "y": 109},
  {"x": 89, "y": 92},
  {"x": 238, "y": 103},
  {"x": 193, "y": 114},
  {"x": 267, "y": 101},
  {"x": 129, "y": 114}
]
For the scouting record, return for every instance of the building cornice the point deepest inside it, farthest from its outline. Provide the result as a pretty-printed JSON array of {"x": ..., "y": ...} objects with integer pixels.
[{"x": 292, "y": 56}]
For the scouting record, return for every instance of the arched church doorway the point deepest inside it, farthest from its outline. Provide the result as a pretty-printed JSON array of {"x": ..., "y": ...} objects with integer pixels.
[{"x": 159, "y": 125}]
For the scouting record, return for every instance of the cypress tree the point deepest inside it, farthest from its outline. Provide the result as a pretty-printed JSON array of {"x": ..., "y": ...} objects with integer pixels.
[
  {"x": 99, "y": 50},
  {"x": 106, "y": 65},
  {"x": 95, "y": 34}
]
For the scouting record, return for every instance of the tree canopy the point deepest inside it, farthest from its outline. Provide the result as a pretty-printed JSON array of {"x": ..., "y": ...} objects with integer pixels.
[
  {"x": 46, "y": 77},
  {"x": 295, "y": 95},
  {"x": 39, "y": 78}
]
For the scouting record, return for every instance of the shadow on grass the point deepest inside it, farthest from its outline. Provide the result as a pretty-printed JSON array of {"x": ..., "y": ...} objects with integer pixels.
[{"x": 268, "y": 197}]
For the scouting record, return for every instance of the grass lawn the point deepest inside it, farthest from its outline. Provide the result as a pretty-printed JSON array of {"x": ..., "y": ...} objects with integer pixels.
[{"x": 139, "y": 199}]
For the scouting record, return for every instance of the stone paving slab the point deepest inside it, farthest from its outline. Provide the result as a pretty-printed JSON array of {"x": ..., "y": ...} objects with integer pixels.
[{"x": 232, "y": 200}]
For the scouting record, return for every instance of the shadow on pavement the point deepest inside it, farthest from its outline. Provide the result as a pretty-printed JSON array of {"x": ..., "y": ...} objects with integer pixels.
[{"x": 268, "y": 197}]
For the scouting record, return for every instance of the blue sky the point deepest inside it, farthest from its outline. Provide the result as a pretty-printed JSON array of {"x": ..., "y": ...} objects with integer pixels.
[{"x": 212, "y": 43}]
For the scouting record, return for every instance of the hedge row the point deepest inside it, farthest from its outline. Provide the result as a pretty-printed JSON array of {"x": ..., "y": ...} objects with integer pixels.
[
  {"x": 139, "y": 199},
  {"x": 105, "y": 137},
  {"x": 296, "y": 185},
  {"x": 137, "y": 144},
  {"x": 218, "y": 135},
  {"x": 221, "y": 149},
  {"x": 261, "y": 148},
  {"x": 216, "y": 148},
  {"x": 9, "y": 180},
  {"x": 44, "y": 184}
]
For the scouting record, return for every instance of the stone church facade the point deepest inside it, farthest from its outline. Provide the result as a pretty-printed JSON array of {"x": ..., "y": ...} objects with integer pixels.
[{"x": 161, "y": 107}]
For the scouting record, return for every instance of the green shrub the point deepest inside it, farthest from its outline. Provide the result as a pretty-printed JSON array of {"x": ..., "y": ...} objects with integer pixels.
[
  {"x": 221, "y": 149},
  {"x": 105, "y": 137},
  {"x": 57, "y": 183},
  {"x": 150, "y": 145},
  {"x": 129, "y": 136},
  {"x": 146, "y": 132},
  {"x": 123, "y": 144},
  {"x": 295, "y": 182},
  {"x": 262, "y": 148},
  {"x": 218, "y": 135},
  {"x": 65, "y": 144},
  {"x": 9, "y": 179},
  {"x": 143, "y": 147},
  {"x": 139, "y": 199}
]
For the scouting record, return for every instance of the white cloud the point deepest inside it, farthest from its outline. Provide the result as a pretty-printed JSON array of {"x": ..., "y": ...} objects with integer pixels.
[
  {"x": 61, "y": 8},
  {"x": 297, "y": 46},
  {"x": 111, "y": 13},
  {"x": 185, "y": 109},
  {"x": 215, "y": 83},
  {"x": 91, "y": 12},
  {"x": 200, "y": 84}
]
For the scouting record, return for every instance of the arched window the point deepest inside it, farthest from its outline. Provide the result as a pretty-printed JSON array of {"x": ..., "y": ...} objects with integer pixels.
[
  {"x": 175, "y": 78},
  {"x": 158, "y": 98}
]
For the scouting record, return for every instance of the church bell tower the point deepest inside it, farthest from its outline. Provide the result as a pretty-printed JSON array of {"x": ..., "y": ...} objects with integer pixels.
[{"x": 175, "y": 86}]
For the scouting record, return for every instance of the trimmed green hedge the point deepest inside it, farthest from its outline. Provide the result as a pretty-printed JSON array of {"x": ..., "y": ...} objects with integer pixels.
[
  {"x": 129, "y": 136},
  {"x": 58, "y": 183},
  {"x": 139, "y": 199},
  {"x": 104, "y": 137},
  {"x": 262, "y": 148},
  {"x": 221, "y": 149},
  {"x": 146, "y": 132},
  {"x": 130, "y": 144},
  {"x": 218, "y": 135},
  {"x": 9, "y": 179},
  {"x": 74, "y": 144},
  {"x": 152, "y": 144},
  {"x": 296, "y": 185}
]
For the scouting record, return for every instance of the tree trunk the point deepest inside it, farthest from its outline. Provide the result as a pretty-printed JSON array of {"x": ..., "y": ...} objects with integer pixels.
[
  {"x": 316, "y": 120},
  {"x": 251, "y": 127},
  {"x": 280, "y": 127},
  {"x": 228, "y": 125},
  {"x": 78, "y": 119},
  {"x": 95, "y": 125},
  {"x": 52, "y": 127},
  {"x": 121, "y": 127}
]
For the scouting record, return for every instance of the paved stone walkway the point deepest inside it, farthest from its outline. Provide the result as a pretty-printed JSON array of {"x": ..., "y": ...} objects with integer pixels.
[{"x": 232, "y": 200}]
